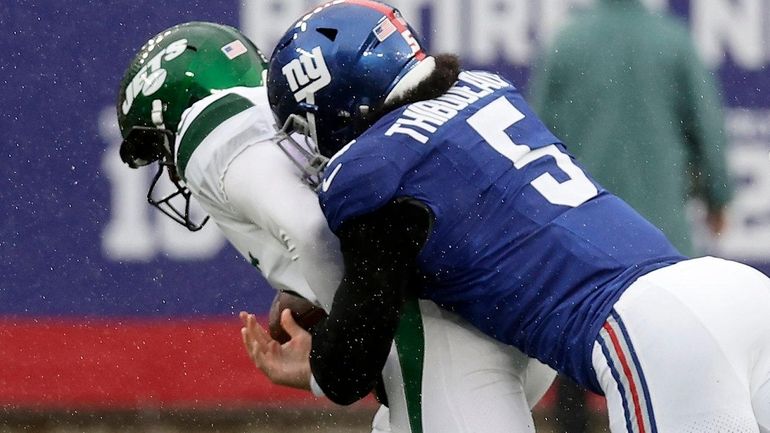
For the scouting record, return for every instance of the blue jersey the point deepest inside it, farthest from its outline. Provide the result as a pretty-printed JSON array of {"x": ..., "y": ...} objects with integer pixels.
[{"x": 524, "y": 244}]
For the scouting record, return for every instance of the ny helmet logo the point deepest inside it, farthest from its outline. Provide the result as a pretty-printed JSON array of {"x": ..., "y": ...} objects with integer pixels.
[{"x": 307, "y": 74}]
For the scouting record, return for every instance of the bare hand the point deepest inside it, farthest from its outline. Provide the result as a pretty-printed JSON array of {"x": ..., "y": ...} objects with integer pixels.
[
  {"x": 287, "y": 364},
  {"x": 716, "y": 221}
]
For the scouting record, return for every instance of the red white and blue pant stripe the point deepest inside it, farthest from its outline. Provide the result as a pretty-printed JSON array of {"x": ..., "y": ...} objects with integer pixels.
[{"x": 628, "y": 374}]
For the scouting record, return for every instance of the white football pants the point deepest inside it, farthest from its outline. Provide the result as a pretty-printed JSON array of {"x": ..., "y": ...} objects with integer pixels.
[
  {"x": 687, "y": 349},
  {"x": 445, "y": 376}
]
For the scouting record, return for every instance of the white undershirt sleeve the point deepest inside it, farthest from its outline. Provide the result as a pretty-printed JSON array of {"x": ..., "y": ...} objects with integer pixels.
[
  {"x": 265, "y": 186},
  {"x": 315, "y": 388}
]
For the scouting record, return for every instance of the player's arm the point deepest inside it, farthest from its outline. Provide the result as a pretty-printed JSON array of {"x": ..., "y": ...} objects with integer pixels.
[
  {"x": 350, "y": 347},
  {"x": 700, "y": 107},
  {"x": 264, "y": 188}
]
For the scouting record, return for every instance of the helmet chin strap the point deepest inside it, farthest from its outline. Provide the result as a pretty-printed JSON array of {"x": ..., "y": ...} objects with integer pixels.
[
  {"x": 311, "y": 118},
  {"x": 157, "y": 113},
  {"x": 157, "y": 119}
]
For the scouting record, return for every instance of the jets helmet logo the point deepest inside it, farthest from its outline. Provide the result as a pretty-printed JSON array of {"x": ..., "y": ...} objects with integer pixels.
[
  {"x": 307, "y": 74},
  {"x": 151, "y": 77}
]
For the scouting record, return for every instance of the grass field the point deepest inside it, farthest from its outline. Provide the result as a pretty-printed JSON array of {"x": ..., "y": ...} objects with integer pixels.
[{"x": 341, "y": 420}]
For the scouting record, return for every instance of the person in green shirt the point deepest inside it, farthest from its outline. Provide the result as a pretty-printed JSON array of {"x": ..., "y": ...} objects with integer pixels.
[{"x": 625, "y": 89}]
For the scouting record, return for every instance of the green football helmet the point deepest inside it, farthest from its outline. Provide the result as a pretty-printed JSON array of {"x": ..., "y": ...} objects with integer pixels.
[{"x": 174, "y": 69}]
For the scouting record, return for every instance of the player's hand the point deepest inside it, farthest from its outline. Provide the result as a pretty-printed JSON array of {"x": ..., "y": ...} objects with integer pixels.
[
  {"x": 716, "y": 221},
  {"x": 285, "y": 364}
]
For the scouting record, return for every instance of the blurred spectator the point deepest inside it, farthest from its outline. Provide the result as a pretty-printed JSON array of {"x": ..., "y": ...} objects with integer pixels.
[{"x": 624, "y": 88}]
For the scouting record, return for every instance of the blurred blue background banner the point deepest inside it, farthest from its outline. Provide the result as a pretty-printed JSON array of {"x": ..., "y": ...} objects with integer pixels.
[{"x": 78, "y": 238}]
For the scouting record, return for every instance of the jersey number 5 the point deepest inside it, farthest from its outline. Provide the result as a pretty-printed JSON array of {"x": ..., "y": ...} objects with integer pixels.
[{"x": 491, "y": 121}]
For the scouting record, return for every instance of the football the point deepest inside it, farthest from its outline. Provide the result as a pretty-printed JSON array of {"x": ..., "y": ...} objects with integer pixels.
[{"x": 305, "y": 313}]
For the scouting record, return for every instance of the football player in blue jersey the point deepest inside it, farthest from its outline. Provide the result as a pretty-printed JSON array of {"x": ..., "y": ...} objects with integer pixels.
[
  {"x": 444, "y": 185},
  {"x": 193, "y": 103}
]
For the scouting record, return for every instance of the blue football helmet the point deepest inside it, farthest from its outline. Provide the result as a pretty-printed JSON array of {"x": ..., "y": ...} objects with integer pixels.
[{"x": 337, "y": 64}]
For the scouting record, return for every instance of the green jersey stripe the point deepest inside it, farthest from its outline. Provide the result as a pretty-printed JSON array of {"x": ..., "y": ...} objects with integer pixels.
[
  {"x": 410, "y": 343},
  {"x": 211, "y": 117}
]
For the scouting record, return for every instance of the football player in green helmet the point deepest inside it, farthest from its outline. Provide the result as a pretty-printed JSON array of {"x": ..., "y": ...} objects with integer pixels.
[{"x": 174, "y": 69}]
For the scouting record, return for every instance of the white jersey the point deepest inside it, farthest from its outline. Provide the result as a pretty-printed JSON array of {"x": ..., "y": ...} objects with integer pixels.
[
  {"x": 226, "y": 152},
  {"x": 255, "y": 195}
]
